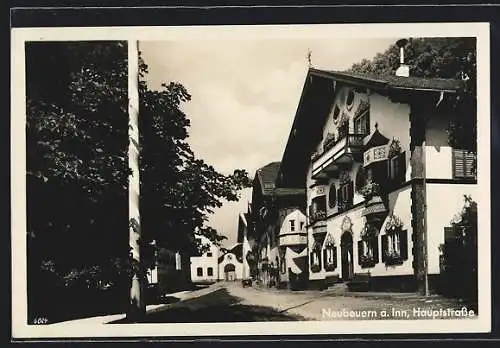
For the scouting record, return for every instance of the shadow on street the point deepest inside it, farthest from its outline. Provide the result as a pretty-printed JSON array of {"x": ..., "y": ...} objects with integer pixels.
[{"x": 217, "y": 306}]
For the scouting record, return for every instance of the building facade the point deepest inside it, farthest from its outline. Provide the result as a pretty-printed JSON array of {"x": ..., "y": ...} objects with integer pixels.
[
  {"x": 277, "y": 217},
  {"x": 205, "y": 267},
  {"x": 382, "y": 180}
]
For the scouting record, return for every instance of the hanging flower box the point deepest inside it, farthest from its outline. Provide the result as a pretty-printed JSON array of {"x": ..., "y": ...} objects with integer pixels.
[
  {"x": 315, "y": 268},
  {"x": 329, "y": 141},
  {"x": 343, "y": 129},
  {"x": 367, "y": 261},
  {"x": 393, "y": 258},
  {"x": 369, "y": 190},
  {"x": 317, "y": 216}
]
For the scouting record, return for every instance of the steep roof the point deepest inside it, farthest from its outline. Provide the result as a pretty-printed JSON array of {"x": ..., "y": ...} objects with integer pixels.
[
  {"x": 393, "y": 81},
  {"x": 315, "y": 102},
  {"x": 267, "y": 177}
]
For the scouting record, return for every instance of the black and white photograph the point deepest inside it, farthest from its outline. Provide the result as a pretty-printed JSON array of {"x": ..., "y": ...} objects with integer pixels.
[{"x": 248, "y": 180}]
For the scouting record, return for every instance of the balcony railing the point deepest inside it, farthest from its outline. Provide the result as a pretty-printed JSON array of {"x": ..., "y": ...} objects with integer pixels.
[{"x": 339, "y": 151}]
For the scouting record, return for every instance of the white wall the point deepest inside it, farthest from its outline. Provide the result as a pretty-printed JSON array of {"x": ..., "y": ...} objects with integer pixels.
[
  {"x": 438, "y": 154},
  {"x": 204, "y": 261},
  {"x": 229, "y": 258},
  {"x": 444, "y": 201}
]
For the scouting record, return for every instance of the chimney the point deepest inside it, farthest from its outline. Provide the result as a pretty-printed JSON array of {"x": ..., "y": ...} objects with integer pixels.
[{"x": 403, "y": 70}]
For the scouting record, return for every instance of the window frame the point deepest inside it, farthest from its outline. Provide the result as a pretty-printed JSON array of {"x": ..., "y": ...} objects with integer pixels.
[
  {"x": 292, "y": 225},
  {"x": 210, "y": 272},
  {"x": 364, "y": 120},
  {"x": 199, "y": 271}
]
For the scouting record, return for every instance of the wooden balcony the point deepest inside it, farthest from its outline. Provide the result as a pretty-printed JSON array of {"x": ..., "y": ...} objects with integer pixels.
[{"x": 343, "y": 152}]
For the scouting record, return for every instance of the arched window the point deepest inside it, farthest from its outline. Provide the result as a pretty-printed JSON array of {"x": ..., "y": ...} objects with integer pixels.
[
  {"x": 332, "y": 196},
  {"x": 330, "y": 254},
  {"x": 336, "y": 113}
]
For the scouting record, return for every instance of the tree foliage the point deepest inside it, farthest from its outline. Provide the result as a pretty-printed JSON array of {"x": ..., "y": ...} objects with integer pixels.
[
  {"x": 77, "y": 166},
  {"x": 437, "y": 58}
]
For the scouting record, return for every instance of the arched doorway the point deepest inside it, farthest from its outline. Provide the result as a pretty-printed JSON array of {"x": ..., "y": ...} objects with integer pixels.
[
  {"x": 229, "y": 272},
  {"x": 347, "y": 256}
]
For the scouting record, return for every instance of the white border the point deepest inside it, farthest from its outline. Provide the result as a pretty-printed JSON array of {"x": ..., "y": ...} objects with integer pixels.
[{"x": 20, "y": 329}]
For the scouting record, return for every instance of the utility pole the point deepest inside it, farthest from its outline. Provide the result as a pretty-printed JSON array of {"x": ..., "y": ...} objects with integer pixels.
[{"x": 137, "y": 304}]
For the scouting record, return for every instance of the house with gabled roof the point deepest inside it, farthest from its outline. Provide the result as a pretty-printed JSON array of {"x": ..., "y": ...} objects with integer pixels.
[
  {"x": 277, "y": 225},
  {"x": 382, "y": 181}
]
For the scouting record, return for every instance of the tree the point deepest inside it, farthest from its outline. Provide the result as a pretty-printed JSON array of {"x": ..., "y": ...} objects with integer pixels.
[
  {"x": 178, "y": 190},
  {"x": 437, "y": 58},
  {"x": 77, "y": 169}
]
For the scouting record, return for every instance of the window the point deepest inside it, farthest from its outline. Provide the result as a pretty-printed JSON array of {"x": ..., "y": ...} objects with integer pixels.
[
  {"x": 292, "y": 225},
  {"x": 395, "y": 247},
  {"x": 199, "y": 272},
  {"x": 463, "y": 164},
  {"x": 301, "y": 225},
  {"x": 210, "y": 271},
  {"x": 317, "y": 209},
  {"x": 345, "y": 195},
  {"x": 361, "y": 179},
  {"x": 397, "y": 168},
  {"x": 315, "y": 257},
  {"x": 349, "y": 101},
  {"x": 332, "y": 196},
  {"x": 209, "y": 254},
  {"x": 336, "y": 113},
  {"x": 362, "y": 124},
  {"x": 330, "y": 257},
  {"x": 368, "y": 252}
]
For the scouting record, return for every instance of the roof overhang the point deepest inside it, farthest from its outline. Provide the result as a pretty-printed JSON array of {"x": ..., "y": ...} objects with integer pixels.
[{"x": 314, "y": 106}]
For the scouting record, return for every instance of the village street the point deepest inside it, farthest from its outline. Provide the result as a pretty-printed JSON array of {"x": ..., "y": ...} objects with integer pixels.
[{"x": 230, "y": 302}]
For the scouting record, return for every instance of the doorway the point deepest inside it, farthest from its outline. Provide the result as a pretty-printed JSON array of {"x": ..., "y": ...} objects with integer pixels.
[
  {"x": 229, "y": 272},
  {"x": 347, "y": 256}
]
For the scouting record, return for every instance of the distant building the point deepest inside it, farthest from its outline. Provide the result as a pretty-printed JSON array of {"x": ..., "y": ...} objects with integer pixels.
[
  {"x": 278, "y": 228},
  {"x": 231, "y": 264},
  {"x": 245, "y": 244},
  {"x": 205, "y": 267}
]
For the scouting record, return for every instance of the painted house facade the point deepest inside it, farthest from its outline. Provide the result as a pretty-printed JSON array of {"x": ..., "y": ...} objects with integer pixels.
[
  {"x": 382, "y": 181},
  {"x": 278, "y": 223}
]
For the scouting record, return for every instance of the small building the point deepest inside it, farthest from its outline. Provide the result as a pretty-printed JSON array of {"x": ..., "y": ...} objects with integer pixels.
[
  {"x": 205, "y": 267},
  {"x": 230, "y": 264},
  {"x": 277, "y": 216}
]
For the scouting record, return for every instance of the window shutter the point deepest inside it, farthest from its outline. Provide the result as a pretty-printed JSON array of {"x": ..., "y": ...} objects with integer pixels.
[
  {"x": 339, "y": 196},
  {"x": 375, "y": 249},
  {"x": 350, "y": 191},
  {"x": 384, "y": 247},
  {"x": 360, "y": 251},
  {"x": 469, "y": 161},
  {"x": 403, "y": 240},
  {"x": 318, "y": 251},
  {"x": 324, "y": 255},
  {"x": 335, "y": 257},
  {"x": 458, "y": 163},
  {"x": 401, "y": 171},
  {"x": 311, "y": 259}
]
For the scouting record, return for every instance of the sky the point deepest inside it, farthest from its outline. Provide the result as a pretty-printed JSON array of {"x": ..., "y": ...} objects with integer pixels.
[{"x": 244, "y": 97}]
